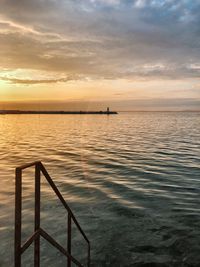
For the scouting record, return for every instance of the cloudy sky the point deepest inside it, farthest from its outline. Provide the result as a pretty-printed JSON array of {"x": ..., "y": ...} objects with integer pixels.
[{"x": 129, "y": 54}]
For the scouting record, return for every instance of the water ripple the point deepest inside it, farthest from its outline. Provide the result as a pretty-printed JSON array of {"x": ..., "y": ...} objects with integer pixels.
[{"x": 133, "y": 180}]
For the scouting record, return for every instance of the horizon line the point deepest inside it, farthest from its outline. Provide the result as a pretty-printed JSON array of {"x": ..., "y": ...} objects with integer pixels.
[{"x": 83, "y": 110}]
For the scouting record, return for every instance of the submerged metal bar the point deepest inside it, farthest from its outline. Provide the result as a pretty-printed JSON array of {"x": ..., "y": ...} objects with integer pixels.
[
  {"x": 29, "y": 241},
  {"x": 18, "y": 216},
  {"x": 59, "y": 247},
  {"x": 88, "y": 258}
]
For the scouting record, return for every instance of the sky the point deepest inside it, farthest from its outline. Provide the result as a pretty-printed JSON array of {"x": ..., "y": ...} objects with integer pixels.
[{"x": 90, "y": 54}]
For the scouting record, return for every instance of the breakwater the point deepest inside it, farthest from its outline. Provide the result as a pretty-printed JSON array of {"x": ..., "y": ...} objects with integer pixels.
[{"x": 55, "y": 112}]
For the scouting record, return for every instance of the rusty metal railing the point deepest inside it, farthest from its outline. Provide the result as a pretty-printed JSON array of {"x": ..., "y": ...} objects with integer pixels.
[{"x": 38, "y": 231}]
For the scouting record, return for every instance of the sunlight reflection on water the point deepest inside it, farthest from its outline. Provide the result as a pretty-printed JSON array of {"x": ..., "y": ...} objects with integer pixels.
[{"x": 131, "y": 179}]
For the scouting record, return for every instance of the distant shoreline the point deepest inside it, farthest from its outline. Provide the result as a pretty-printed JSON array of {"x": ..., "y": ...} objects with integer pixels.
[
  {"x": 7, "y": 112},
  {"x": 2, "y": 112}
]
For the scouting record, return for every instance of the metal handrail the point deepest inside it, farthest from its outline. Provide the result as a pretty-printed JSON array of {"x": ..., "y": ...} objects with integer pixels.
[{"x": 38, "y": 231}]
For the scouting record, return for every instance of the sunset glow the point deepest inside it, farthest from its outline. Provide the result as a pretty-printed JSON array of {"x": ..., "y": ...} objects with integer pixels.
[{"x": 99, "y": 50}]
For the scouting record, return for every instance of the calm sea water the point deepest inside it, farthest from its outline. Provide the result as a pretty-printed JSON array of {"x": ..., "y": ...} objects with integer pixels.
[{"x": 132, "y": 180}]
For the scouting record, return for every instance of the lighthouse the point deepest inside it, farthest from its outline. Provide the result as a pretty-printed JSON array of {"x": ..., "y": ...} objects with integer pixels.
[{"x": 108, "y": 110}]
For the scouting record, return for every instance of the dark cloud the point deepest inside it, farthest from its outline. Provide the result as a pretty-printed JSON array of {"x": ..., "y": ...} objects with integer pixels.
[{"x": 41, "y": 81}]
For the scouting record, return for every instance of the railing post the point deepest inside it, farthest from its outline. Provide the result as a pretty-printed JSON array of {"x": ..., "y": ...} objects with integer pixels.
[
  {"x": 18, "y": 216},
  {"x": 37, "y": 216},
  {"x": 69, "y": 231},
  {"x": 19, "y": 249}
]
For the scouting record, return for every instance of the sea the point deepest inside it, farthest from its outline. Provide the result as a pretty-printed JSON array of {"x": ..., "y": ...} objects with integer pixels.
[{"x": 132, "y": 181}]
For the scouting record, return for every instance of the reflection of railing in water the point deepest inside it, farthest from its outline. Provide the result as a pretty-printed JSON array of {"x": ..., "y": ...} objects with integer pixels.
[{"x": 39, "y": 231}]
